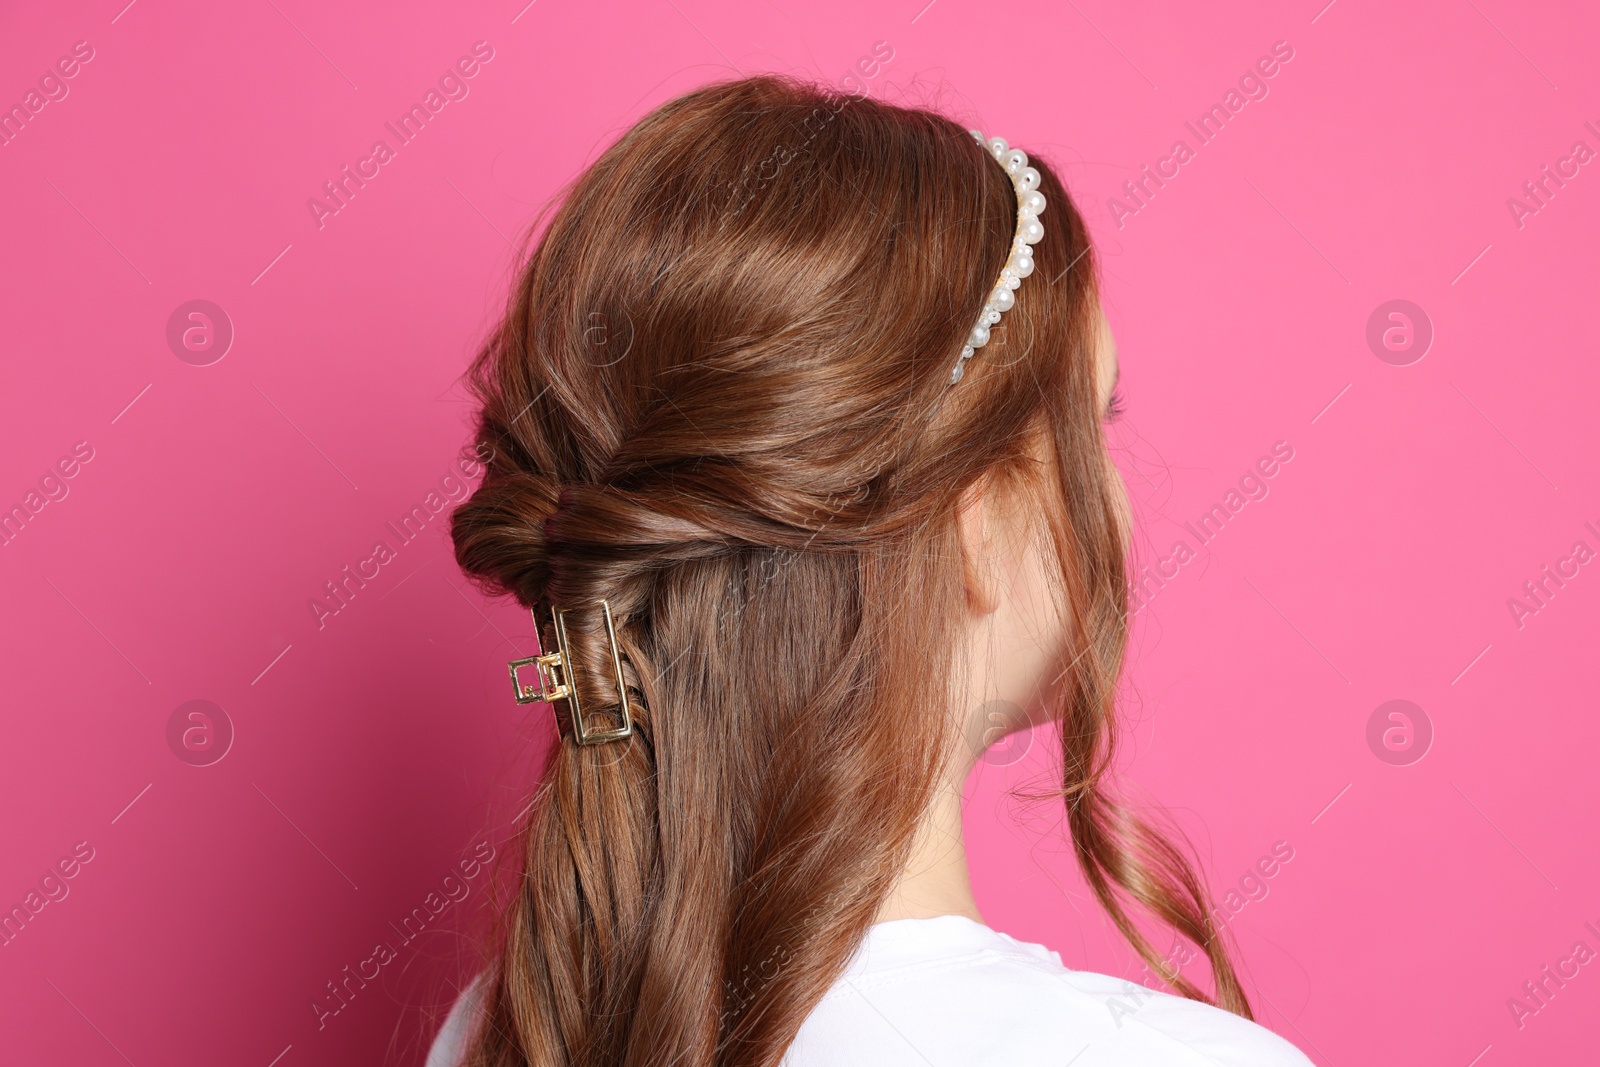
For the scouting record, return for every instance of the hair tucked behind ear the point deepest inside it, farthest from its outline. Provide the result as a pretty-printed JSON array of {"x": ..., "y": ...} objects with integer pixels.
[{"x": 719, "y": 400}]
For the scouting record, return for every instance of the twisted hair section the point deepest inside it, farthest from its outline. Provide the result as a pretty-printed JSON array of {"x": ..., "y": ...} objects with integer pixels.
[{"x": 719, "y": 400}]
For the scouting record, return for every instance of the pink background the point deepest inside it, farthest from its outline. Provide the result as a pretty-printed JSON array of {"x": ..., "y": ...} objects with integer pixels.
[{"x": 372, "y": 755}]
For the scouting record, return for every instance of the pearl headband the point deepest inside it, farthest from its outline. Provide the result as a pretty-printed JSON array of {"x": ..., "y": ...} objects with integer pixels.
[{"x": 1030, "y": 203}]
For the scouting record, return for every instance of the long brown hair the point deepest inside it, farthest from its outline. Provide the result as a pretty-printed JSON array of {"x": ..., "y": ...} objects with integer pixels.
[{"x": 719, "y": 400}]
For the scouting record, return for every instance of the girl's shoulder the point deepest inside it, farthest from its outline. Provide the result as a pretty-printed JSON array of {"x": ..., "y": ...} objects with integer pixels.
[
  {"x": 951, "y": 991},
  {"x": 450, "y": 1044}
]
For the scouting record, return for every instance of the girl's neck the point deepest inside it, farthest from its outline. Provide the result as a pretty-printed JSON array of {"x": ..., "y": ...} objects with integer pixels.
[{"x": 935, "y": 881}]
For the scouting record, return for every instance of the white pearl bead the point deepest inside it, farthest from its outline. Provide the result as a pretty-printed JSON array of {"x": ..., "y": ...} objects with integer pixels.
[{"x": 1031, "y": 203}]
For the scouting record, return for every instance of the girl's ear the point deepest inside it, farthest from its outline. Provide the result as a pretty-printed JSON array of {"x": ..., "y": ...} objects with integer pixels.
[{"x": 979, "y": 544}]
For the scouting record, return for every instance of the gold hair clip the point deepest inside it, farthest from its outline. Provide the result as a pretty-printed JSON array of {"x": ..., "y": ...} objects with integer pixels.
[{"x": 553, "y": 686}]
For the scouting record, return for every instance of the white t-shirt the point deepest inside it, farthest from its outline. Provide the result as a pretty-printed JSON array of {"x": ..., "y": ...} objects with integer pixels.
[{"x": 951, "y": 992}]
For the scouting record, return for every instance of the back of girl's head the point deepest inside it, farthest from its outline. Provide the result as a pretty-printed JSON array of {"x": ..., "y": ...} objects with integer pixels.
[{"x": 720, "y": 400}]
